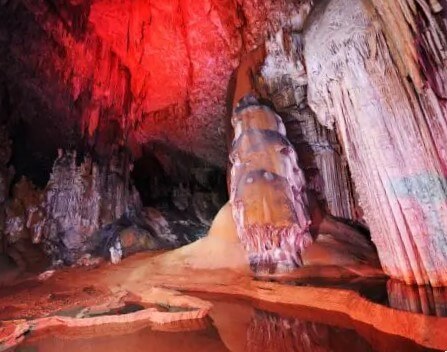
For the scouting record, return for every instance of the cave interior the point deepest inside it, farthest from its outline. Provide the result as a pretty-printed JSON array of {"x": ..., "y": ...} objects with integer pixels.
[{"x": 223, "y": 175}]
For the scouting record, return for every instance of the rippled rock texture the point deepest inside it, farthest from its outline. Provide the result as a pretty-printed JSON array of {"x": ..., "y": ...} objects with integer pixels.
[
  {"x": 267, "y": 190},
  {"x": 377, "y": 76},
  {"x": 284, "y": 83},
  {"x": 418, "y": 299}
]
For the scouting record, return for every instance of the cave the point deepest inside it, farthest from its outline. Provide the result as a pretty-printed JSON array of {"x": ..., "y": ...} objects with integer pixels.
[{"x": 231, "y": 175}]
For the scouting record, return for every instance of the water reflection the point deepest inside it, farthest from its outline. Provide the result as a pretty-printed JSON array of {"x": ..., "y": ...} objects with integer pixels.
[
  {"x": 417, "y": 299},
  {"x": 233, "y": 326},
  {"x": 425, "y": 300},
  {"x": 270, "y": 332}
]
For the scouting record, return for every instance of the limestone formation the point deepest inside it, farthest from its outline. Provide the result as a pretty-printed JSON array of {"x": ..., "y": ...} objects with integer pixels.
[
  {"x": 137, "y": 70},
  {"x": 87, "y": 210},
  {"x": 109, "y": 314},
  {"x": 284, "y": 82},
  {"x": 94, "y": 75},
  {"x": 23, "y": 223},
  {"x": 417, "y": 299},
  {"x": 6, "y": 175},
  {"x": 377, "y": 76},
  {"x": 267, "y": 190},
  {"x": 82, "y": 198}
]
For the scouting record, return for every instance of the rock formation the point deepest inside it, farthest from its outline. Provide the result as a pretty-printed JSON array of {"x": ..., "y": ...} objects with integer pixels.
[
  {"x": 23, "y": 224},
  {"x": 136, "y": 70},
  {"x": 82, "y": 198},
  {"x": 6, "y": 175},
  {"x": 284, "y": 83},
  {"x": 417, "y": 299},
  {"x": 88, "y": 209},
  {"x": 267, "y": 190},
  {"x": 271, "y": 203},
  {"x": 376, "y": 74}
]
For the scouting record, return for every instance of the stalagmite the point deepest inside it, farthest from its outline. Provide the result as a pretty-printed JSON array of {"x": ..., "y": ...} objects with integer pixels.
[
  {"x": 82, "y": 198},
  {"x": 271, "y": 206},
  {"x": 267, "y": 190},
  {"x": 383, "y": 88}
]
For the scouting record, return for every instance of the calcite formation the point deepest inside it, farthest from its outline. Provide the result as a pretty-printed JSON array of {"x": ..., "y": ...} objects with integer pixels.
[
  {"x": 91, "y": 210},
  {"x": 378, "y": 77},
  {"x": 6, "y": 175},
  {"x": 23, "y": 226},
  {"x": 171, "y": 178},
  {"x": 82, "y": 198},
  {"x": 284, "y": 82},
  {"x": 100, "y": 75},
  {"x": 267, "y": 190}
]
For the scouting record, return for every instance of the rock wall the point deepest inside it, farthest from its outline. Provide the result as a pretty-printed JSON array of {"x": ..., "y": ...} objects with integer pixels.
[
  {"x": 380, "y": 78},
  {"x": 23, "y": 223},
  {"x": 171, "y": 178},
  {"x": 284, "y": 82},
  {"x": 6, "y": 175},
  {"x": 90, "y": 210},
  {"x": 82, "y": 198},
  {"x": 63, "y": 220}
]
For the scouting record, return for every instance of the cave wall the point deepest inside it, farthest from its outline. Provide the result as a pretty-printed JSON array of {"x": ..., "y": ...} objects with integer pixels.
[
  {"x": 284, "y": 83},
  {"x": 378, "y": 74}
]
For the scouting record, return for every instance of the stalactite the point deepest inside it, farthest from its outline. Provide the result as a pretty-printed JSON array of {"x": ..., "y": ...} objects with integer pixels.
[
  {"x": 416, "y": 33},
  {"x": 393, "y": 136},
  {"x": 284, "y": 79},
  {"x": 80, "y": 199}
]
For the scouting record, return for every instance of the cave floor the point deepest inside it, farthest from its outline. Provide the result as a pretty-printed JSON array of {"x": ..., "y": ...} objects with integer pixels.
[{"x": 89, "y": 286}]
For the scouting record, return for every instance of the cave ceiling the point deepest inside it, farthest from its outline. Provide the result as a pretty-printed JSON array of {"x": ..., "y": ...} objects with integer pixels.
[{"x": 93, "y": 73}]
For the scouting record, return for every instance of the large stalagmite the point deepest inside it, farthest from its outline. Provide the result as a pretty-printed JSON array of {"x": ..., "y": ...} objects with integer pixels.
[
  {"x": 267, "y": 190},
  {"x": 383, "y": 85}
]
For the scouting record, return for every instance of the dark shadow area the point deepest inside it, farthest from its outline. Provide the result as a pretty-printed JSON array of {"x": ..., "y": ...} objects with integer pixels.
[{"x": 168, "y": 177}]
